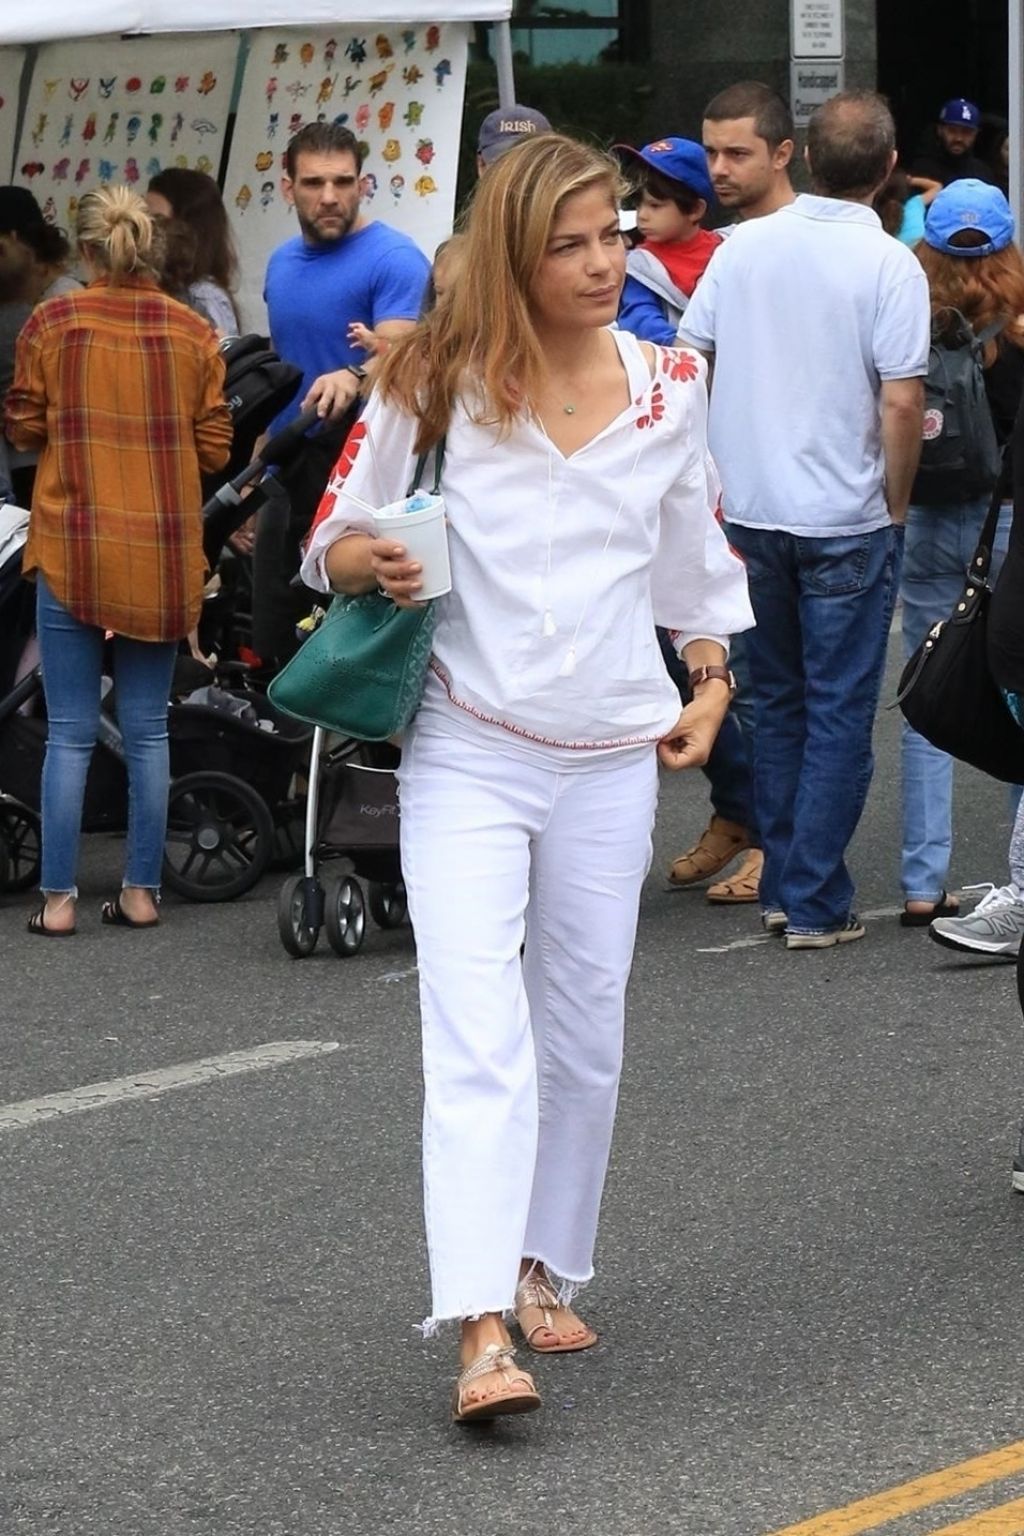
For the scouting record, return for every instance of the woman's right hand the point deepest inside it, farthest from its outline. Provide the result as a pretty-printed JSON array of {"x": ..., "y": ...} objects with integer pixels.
[{"x": 398, "y": 577}]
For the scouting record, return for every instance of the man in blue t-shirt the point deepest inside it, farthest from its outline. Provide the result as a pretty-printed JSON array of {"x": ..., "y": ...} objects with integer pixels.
[{"x": 341, "y": 268}]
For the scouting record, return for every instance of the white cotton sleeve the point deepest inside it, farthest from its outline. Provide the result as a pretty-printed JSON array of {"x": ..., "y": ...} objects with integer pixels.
[
  {"x": 699, "y": 586},
  {"x": 374, "y": 468}
]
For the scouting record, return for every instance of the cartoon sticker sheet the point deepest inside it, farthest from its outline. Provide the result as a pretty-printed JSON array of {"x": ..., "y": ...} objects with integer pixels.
[
  {"x": 11, "y": 61},
  {"x": 116, "y": 109},
  {"x": 398, "y": 88}
]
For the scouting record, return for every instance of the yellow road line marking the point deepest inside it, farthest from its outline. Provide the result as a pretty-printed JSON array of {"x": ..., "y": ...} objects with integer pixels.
[
  {"x": 1006, "y": 1520},
  {"x": 934, "y": 1488}
]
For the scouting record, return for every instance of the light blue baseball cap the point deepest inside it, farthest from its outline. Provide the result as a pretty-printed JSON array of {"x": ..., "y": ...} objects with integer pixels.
[{"x": 969, "y": 204}]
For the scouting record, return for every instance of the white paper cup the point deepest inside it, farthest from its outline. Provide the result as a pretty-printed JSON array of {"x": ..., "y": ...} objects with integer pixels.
[{"x": 425, "y": 537}]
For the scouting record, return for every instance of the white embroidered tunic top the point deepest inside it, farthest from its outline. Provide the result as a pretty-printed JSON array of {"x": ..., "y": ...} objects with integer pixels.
[{"x": 562, "y": 566}]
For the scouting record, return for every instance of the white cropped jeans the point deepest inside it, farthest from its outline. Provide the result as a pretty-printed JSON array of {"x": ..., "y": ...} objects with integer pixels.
[{"x": 521, "y": 1056}]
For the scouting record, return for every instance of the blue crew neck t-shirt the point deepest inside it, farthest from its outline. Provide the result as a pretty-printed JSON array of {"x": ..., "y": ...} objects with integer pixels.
[{"x": 313, "y": 294}]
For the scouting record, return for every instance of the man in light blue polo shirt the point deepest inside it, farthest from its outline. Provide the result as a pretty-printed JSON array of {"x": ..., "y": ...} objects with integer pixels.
[{"x": 819, "y": 324}]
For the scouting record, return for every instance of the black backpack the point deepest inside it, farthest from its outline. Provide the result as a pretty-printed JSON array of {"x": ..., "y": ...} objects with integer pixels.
[{"x": 960, "y": 455}]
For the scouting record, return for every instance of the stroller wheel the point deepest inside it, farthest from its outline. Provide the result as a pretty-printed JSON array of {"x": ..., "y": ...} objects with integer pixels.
[
  {"x": 345, "y": 916},
  {"x": 220, "y": 837},
  {"x": 19, "y": 845},
  {"x": 388, "y": 905},
  {"x": 297, "y": 926}
]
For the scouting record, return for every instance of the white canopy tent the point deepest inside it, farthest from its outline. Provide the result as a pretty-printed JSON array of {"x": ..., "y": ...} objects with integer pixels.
[{"x": 42, "y": 20}]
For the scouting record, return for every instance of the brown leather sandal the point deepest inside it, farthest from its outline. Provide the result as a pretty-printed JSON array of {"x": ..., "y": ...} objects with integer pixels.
[
  {"x": 716, "y": 847},
  {"x": 518, "y": 1396},
  {"x": 743, "y": 884},
  {"x": 536, "y": 1307}
]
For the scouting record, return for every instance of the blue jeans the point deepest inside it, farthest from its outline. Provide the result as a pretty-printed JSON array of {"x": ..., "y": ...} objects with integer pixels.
[
  {"x": 729, "y": 768},
  {"x": 823, "y": 608},
  {"x": 940, "y": 542},
  {"x": 72, "y": 657}
]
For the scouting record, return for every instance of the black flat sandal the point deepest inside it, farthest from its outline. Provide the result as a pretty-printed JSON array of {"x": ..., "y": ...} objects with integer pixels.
[{"x": 941, "y": 908}]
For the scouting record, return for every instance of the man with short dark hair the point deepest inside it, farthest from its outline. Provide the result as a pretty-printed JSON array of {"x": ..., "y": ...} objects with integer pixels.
[
  {"x": 819, "y": 324},
  {"x": 749, "y": 139},
  {"x": 505, "y": 127},
  {"x": 340, "y": 268},
  {"x": 949, "y": 153}
]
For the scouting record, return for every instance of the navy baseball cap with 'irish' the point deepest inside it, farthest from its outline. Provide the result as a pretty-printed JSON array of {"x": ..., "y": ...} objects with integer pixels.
[
  {"x": 960, "y": 112},
  {"x": 500, "y": 130},
  {"x": 681, "y": 160}
]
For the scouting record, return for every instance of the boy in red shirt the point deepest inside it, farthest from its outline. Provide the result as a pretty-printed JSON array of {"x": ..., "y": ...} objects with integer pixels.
[{"x": 675, "y": 191}]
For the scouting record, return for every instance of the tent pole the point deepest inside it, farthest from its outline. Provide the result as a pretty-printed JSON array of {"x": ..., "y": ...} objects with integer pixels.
[
  {"x": 1016, "y": 101},
  {"x": 503, "y": 61}
]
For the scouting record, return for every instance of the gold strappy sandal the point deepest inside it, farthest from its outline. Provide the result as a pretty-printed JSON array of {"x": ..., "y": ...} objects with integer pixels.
[
  {"x": 535, "y": 1307},
  {"x": 520, "y": 1394}
]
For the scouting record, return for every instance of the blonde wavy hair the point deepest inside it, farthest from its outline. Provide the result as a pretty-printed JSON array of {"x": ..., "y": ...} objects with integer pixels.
[
  {"x": 983, "y": 288},
  {"x": 116, "y": 231},
  {"x": 481, "y": 341}
]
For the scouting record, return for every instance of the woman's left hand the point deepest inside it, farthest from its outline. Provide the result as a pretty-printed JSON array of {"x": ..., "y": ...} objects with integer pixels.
[{"x": 688, "y": 744}]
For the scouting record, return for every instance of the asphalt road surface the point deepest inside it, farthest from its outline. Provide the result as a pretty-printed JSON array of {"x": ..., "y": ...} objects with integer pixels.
[{"x": 810, "y": 1269}]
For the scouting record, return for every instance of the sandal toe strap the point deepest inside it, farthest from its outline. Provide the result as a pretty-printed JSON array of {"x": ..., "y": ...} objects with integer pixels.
[{"x": 496, "y": 1357}]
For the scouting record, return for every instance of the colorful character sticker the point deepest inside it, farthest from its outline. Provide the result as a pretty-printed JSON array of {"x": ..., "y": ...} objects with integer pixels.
[
  {"x": 356, "y": 51},
  {"x": 433, "y": 39},
  {"x": 107, "y": 87},
  {"x": 50, "y": 211},
  {"x": 391, "y": 152},
  {"x": 352, "y": 83},
  {"x": 133, "y": 84},
  {"x": 264, "y": 160},
  {"x": 326, "y": 90},
  {"x": 362, "y": 118},
  {"x": 207, "y": 84},
  {"x": 204, "y": 164},
  {"x": 294, "y": 124},
  {"x": 39, "y": 131},
  {"x": 131, "y": 170},
  {"x": 307, "y": 53},
  {"x": 77, "y": 89},
  {"x": 330, "y": 49},
  {"x": 132, "y": 127},
  {"x": 280, "y": 57},
  {"x": 266, "y": 194},
  {"x": 368, "y": 187},
  {"x": 272, "y": 125},
  {"x": 382, "y": 43},
  {"x": 82, "y": 173},
  {"x": 297, "y": 88},
  {"x": 177, "y": 124},
  {"x": 243, "y": 197},
  {"x": 32, "y": 168},
  {"x": 412, "y": 74},
  {"x": 425, "y": 151},
  {"x": 89, "y": 128},
  {"x": 386, "y": 115},
  {"x": 203, "y": 126},
  {"x": 378, "y": 81},
  {"x": 271, "y": 89},
  {"x": 413, "y": 115},
  {"x": 424, "y": 186},
  {"x": 111, "y": 128},
  {"x": 442, "y": 69},
  {"x": 152, "y": 167},
  {"x": 156, "y": 122},
  {"x": 49, "y": 86},
  {"x": 181, "y": 84},
  {"x": 158, "y": 85},
  {"x": 409, "y": 40},
  {"x": 397, "y": 186},
  {"x": 105, "y": 170},
  {"x": 61, "y": 169}
]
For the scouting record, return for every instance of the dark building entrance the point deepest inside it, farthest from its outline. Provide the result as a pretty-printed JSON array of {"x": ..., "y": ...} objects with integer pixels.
[{"x": 928, "y": 53}]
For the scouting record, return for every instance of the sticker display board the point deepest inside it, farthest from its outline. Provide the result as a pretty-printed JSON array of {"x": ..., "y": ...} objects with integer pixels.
[
  {"x": 11, "y": 62},
  {"x": 398, "y": 88},
  {"x": 115, "y": 109}
]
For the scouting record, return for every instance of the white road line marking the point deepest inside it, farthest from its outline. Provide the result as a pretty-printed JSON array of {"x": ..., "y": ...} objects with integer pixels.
[
  {"x": 755, "y": 940},
  {"x": 150, "y": 1085}
]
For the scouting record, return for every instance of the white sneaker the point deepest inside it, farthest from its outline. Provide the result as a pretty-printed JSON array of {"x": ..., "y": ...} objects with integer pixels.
[{"x": 995, "y": 927}]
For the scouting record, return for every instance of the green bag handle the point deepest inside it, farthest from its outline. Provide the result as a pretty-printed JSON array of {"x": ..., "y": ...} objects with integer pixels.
[{"x": 421, "y": 464}]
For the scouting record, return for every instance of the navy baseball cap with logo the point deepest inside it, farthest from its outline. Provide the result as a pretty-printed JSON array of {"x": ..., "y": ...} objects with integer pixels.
[
  {"x": 500, "y": 130},
  {"x": 969, "y": 204},
  {"x": 961, "y": 113},
  {"x": 680, "y": 160}
]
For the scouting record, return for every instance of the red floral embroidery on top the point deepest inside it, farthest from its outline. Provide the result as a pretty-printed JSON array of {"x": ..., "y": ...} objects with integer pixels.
[
  {"x": 655, "y": 410},
  {"x": 346, "y": 459},
  {"x": 679, "y": 365}
]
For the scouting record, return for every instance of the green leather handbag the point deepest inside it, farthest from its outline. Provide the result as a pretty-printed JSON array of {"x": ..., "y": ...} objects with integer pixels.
[{"x": 362, "y": 671}]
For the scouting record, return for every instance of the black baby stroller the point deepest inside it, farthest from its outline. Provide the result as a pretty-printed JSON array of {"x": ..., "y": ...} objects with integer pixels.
[{"x": 351, "y": 816}]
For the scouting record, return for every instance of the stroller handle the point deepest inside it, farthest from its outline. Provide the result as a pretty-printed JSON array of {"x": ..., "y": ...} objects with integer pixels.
[{"x": 221, "y": 515}]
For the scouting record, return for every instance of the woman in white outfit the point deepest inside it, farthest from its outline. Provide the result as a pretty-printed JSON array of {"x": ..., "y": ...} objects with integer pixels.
[{"x": 580, "y": 500}]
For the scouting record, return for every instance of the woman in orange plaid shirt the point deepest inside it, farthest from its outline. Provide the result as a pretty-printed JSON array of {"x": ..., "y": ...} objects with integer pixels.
[{"x": 121, "y": 390}]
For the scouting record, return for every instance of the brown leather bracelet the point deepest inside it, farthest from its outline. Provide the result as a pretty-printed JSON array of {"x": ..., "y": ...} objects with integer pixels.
[{"x": 703, "y": 674}]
